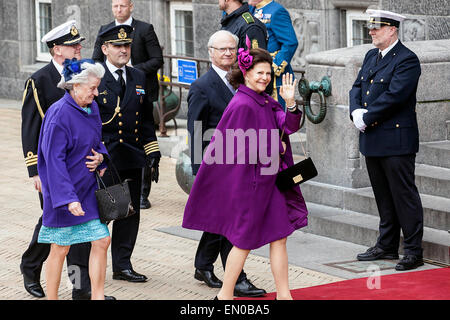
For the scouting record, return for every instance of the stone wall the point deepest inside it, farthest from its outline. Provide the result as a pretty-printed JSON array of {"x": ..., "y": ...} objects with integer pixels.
[{"x": 319, "y": 25}]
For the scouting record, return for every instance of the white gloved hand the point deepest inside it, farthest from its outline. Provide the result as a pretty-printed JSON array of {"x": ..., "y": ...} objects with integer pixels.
[{"x": 358, "y": 119}]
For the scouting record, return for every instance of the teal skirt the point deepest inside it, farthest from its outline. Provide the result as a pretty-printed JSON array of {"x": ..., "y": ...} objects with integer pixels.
[{"x": 66, "y": 236}]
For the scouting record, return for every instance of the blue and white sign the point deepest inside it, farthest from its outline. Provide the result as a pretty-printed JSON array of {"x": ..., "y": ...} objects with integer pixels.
[{"x": 187, "y": 71}]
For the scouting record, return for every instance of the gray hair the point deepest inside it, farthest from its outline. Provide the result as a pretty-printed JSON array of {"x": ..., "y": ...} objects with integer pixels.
[
  {"x": 89, "y": 69},
  {"x": 218, "y": 34}
]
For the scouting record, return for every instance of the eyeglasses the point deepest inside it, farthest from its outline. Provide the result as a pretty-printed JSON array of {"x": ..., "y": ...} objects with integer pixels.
[{"x": 224, "y": 50}]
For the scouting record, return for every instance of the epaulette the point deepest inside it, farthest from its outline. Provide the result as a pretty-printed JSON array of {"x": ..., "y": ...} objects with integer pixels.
[
  {"x": 248, "y": 17},
  {"x": 35, "y": 95}
]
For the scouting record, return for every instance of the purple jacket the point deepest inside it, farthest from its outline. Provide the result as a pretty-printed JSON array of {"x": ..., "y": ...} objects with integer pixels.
[
  {"x": 235, "y": 199},
  {"x": 68, "y": 134}
]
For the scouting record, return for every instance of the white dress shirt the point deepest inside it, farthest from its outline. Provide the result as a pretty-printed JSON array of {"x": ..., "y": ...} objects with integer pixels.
[
  {"x": 113, "y": 69},
  {"x": 385, "y": 51},
  {"x": 222, "y": 74}
]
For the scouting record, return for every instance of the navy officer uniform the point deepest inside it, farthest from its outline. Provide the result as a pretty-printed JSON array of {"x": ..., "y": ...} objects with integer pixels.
[
  {"x": 383, "y": 107},
  {"x": 282, "y": 42},
  {"x": 129, "y": 135},
  {"x": 242, "y": 23}
]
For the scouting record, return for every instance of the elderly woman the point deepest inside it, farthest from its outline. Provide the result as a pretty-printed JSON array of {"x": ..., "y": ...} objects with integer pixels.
[
  {"x": 70, "y": 150},
  {"x": 234, "y": 193}
]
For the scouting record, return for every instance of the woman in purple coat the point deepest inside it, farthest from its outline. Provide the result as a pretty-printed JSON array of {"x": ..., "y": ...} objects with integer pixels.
[
  {"x": 70, "y": 150},
  {"x": 234, "y": 193}
]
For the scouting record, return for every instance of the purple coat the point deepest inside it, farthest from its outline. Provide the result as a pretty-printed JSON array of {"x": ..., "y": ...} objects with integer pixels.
[
  {"x": 235, "y": 199},
  {"x": 68, "y": 134}
]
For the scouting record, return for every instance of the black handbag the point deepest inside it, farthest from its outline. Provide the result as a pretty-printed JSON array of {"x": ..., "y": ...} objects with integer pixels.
[
  {"x": 296, "y": 174},
  {"x": 114, "y": 202}
]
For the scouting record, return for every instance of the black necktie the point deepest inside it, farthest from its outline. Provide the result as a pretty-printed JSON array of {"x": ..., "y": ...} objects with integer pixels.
[
  {"x": 122, "y": 83},
  {"x": 379, "y": 57}
]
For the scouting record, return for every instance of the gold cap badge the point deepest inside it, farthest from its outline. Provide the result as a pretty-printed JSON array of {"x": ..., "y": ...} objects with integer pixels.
[
  {"x": 122, "y": 34},
  {"x": 73, "y": 31}
]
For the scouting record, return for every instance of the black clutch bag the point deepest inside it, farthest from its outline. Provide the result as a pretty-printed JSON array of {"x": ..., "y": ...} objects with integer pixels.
[
  {"x": 296, "y": 174},
  {"x": 114, "y": 202}
]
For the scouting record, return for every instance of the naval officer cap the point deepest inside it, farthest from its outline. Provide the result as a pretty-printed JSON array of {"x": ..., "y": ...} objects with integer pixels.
[
  {"x": 117, "y": 35},
  {"x": 65, "y": 34},
  {"x": 380, "y": 18}
]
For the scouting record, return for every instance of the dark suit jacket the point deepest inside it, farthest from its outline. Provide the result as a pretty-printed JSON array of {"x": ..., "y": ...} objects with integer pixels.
[
  {"x": 130, "y": 137},
  {"x": 388, "y": 91},
  {"x": 146, "y": 53},
  {"x": 207, "y": 99},
  {"x": 34, "y": 107}
]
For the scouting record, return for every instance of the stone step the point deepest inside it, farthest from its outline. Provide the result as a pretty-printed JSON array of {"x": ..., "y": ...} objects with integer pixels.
[
  {"x": 436, "y": 210},
  {"x": 434, "y": 153},
  {"x": 433, "y": 180},
  {"x": 362, "y": 229}
]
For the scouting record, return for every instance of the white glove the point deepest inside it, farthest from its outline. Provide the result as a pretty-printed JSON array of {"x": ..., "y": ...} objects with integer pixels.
[{"x": 358, "y": 119}]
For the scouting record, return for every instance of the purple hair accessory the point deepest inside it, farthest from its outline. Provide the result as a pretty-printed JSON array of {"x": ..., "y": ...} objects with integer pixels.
[{"x": 245, "y": 59}]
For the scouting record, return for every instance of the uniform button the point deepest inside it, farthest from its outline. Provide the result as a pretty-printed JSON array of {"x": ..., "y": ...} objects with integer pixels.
[
  {"x": 267, "y": 101},
  {"x": 397, "y": 125},
  {"x": 376, "y": 123},
  {"x": 120, "y": 131},
  {"x": 137, "y": 122},
  {"x": 137, "y": 139},
  {"x": 381, "y": 80},
  {"x": 135, "y": 130},
  {"x": 365, "y": 104},
  {"x": 371, "y": 81},
  {"x": 362, "y": 78},
  {"x": 367, "y": 93},
  {"x": 120, "y": 124},
  {"x": 137, "y": 113},
  {"x": 119, "y": 114},
  {"x": 121, "y": 140}
]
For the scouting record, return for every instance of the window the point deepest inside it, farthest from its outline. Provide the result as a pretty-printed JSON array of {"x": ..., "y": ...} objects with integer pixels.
[
  {"x": 43, "y": 25},
  {"x": 357, "y": 31},
  {"x": 182, "y": 28}
]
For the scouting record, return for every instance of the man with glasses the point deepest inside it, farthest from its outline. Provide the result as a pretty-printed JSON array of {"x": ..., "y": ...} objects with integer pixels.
[
  {"x": 383, "y": 108},
  {"x": 207, "y": 99}
]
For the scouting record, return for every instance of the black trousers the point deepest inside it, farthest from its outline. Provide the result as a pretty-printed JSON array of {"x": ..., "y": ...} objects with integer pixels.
[
  {"x": 398, "y": 202},
  {"x": 146, "y": 182},
  {"x": 125, "y": 231},
  {"x": 35, "y": 255},
  {"x": 208, "y": 250}
]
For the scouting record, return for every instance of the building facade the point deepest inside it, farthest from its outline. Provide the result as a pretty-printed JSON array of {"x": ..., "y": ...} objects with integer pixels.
[{"x": 183, "y": 27}]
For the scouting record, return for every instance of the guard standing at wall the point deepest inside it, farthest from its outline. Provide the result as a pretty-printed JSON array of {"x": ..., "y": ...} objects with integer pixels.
[
  {"x": 146, "y": 55},
  {"x": 282, "y": 42},
  {"x": 383, "y": 108}
]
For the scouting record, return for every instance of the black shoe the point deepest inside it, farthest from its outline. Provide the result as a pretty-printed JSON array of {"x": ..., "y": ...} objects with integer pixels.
[
  {"x": 129, "y": 275},
  {"x": 33, "y": 287},
  {"x": 375, "y": 253},
  {"x": 409, "y": 262},
  {"x": 145, "y": 204},
  {"x": 245, "y": 288},
  {"x": 208, "y": 277},
  {"x": 87, "y": 296}
]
